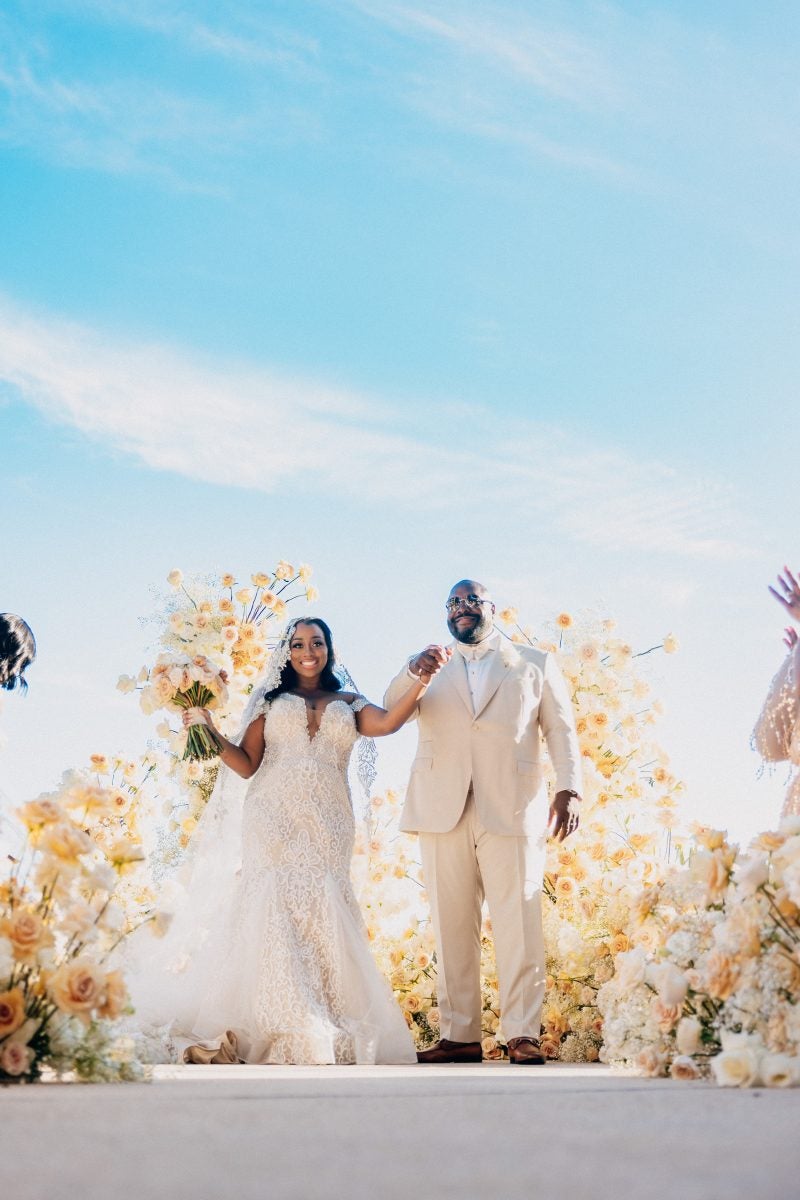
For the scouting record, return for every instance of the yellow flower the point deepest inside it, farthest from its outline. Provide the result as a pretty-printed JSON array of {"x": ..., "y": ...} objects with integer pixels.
[
  {"x": 312, "y": 595},
  {"x": 564, "y": 620},
  {"x": 670, "y": 643},
  {"x": 40, "y": 812},
  {"x": 228, "y": 581},
  {"x": 65, "y": 841},
  {"x": 260, "y": 580},
  {"x": 99, "y": 763},
  {"x": 279, "y": 607},
  {"x": 175, "y": 578},
  {"x": 268, "y": 598},
  {"x": 565, "y": 887},
  {"x": 284, "y": 570},
  {"x": 244, "y": 595},
  {"x": 509, "y": 616}
]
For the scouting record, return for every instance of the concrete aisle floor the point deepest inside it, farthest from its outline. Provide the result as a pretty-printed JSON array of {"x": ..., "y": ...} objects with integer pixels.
[{"x": 491, "y": 1131}]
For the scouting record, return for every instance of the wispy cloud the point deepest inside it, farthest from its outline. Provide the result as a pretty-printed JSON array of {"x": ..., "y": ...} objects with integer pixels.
[
  {"x": 144, "y": 123},
  {"x": 251, "y": 427},
  {"x": 239, "y": 33},
  {"x": 507, "y": 42},
  {"x": 500, "y": 74}
]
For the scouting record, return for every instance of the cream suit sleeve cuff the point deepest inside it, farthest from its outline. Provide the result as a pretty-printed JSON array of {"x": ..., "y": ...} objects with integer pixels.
[
  {"x": 557, "y": 722},
  {"x": 398, "y": 688}
]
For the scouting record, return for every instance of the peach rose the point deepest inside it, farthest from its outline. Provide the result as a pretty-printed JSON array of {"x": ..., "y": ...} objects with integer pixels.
[
  {"x": 78, "y": 988},
  {"x": 490, "y": 1048},
  {"x": 721, "y": 975},
  {"x": 27, "y": 932},
  {"x": 684, "y": 1067},
  {"x": 15, "y": 1059},
  {"x": 12, "y": 1011},
  {"x": 550, "y": 1047},
  {"x": 116, "y": 996},
  {"x": 666, "y": 1016},
  {"x": 650, "y": 1062}
]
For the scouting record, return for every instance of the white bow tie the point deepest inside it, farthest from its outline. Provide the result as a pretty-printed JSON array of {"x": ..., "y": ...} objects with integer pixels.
[{"x": 474, "y": 653}]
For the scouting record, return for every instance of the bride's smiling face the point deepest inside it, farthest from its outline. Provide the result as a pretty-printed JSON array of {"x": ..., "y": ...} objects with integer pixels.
[{"x": 309, "y": 653}]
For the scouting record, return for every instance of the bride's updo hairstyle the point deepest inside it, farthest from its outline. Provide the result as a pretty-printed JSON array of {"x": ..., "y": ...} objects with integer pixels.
[
  {"x": 17, "y": 651},
  {"x": 329, "y": 680}
]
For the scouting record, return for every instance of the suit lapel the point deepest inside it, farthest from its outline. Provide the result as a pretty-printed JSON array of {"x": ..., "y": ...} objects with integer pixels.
[
  {"x": 455, "y": 670},
  {"x": 499, "y": 667}
]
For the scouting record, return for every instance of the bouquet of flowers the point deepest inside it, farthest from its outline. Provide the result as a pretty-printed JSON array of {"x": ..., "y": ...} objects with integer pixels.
[{"x": 178, "y": 682}]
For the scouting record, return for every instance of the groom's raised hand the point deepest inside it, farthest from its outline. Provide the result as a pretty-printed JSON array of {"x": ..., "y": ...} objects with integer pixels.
[{"x": 430, "y": 660}]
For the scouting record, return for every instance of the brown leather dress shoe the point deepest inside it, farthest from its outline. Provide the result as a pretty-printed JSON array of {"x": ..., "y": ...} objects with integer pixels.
[
  {"x": 525, "y": 1051},
  {"x": 451, "y": 1052}
]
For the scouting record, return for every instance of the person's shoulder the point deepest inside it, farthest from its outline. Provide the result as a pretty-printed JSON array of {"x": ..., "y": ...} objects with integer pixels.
[
  {"x": 348, "y": 697},
  {"x": 529, "y": 654}
]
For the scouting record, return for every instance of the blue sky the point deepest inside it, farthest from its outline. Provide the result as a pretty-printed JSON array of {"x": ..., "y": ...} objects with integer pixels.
[{"x": 409, "y": 291}]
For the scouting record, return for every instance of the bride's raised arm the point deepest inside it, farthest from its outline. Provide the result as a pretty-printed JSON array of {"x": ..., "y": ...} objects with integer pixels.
[{"x": 374, "y": 721}]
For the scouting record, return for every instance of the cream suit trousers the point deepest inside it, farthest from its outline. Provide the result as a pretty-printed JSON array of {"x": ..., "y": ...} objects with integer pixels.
[{"x": 461, "y": 868}]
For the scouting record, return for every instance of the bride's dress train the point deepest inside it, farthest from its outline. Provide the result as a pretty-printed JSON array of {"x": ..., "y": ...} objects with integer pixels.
[{"x": 289, "y": 971}]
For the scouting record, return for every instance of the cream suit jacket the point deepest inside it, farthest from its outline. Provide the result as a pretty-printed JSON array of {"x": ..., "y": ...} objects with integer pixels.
[{"x": 498, "y": 749}]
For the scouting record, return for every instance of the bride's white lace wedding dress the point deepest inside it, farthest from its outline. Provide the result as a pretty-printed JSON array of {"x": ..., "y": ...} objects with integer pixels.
[{"x": 289, "y": 971}]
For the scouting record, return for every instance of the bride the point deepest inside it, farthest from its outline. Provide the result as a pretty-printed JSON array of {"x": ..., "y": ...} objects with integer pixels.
[{"x": 268, "y": 962}]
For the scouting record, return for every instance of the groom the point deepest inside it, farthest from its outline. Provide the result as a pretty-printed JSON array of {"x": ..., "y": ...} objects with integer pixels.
[{"x": 478, "y": 801}]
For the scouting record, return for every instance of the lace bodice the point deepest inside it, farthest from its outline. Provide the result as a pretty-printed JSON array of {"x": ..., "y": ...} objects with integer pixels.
[{"x": 287, "y": 737}]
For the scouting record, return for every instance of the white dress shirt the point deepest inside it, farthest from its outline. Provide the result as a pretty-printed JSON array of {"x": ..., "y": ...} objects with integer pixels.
[{"x": 476, "y": 663}]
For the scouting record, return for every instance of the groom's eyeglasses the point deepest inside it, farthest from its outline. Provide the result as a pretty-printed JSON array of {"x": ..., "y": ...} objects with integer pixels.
[{"x": 456, "y": 602}]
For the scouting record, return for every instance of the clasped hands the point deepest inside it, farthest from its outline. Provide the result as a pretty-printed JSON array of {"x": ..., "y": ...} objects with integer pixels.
[{"x": 430, "y": 661}]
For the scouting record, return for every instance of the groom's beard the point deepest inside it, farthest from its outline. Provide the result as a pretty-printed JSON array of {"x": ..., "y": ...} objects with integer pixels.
[{"x": 473, "y": 632}]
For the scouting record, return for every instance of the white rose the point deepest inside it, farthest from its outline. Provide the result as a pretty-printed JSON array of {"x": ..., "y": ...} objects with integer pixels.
[
  {"x": 750, "y": 874},
  {"x": 630, "y": 968},
  {"x": 670, "y": 983},
  {"x": 126, "y": 683},
  {"x": 778, "y": 1070},
  {"x": 687, "y": 1035},
  {"x": 736, "y": 1068},
  {"x": 175, "y": 578}
]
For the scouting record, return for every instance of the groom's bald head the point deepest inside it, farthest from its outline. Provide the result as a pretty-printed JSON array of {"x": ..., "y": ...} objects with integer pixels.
[
  {"x": 470, "y": 587},
  {"x": 470, "y": 611}
]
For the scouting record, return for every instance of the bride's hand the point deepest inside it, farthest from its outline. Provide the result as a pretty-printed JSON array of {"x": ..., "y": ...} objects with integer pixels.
[
  {"x": 197, "y": 716},
  {"x": 790, "y": 641}
]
